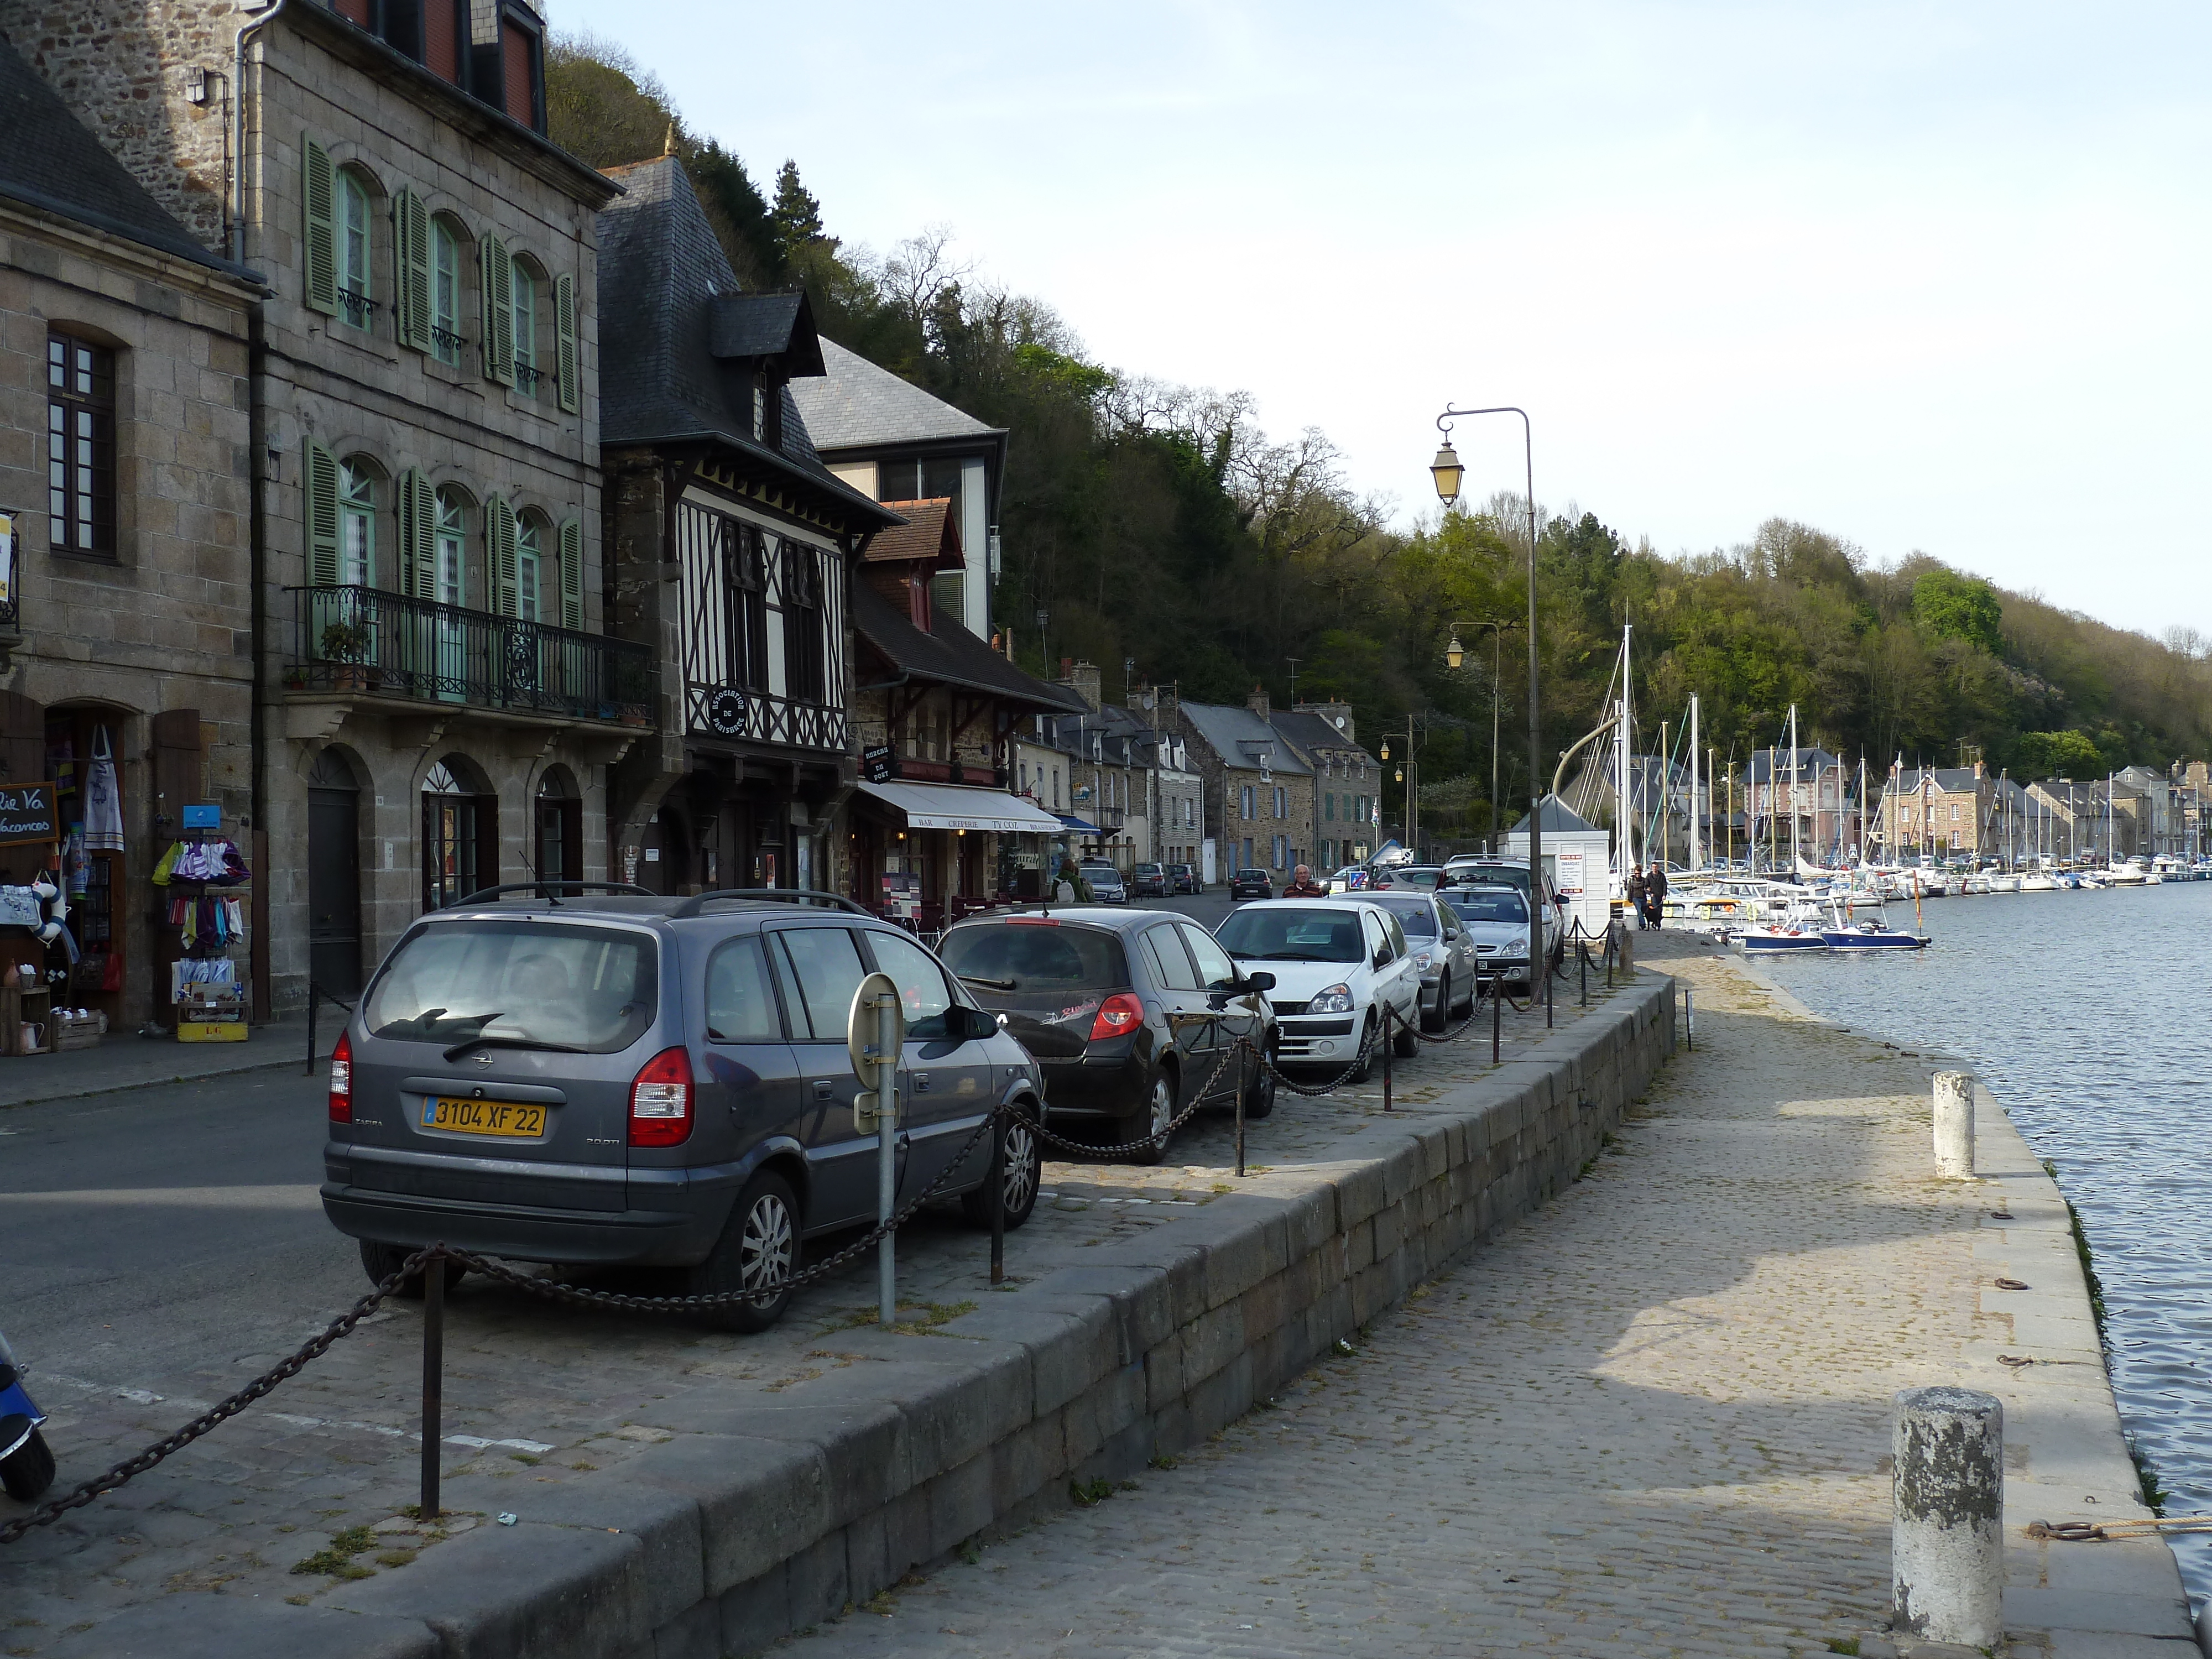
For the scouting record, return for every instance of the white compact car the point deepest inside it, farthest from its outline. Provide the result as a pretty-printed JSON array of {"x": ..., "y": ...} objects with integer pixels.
[{"x": 1337, "y": 962}]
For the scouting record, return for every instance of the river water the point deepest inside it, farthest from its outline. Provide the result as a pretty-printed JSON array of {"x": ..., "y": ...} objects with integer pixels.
[{"x": 2089, "y": 1015}]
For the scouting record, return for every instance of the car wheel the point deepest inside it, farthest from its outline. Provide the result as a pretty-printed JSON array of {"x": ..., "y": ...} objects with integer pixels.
[
  {"x": 1405, "y": 1035},
  {"x": 1442, "y": 1017},
  {"x": 1260, "y": 1097},
  {"x": 1019, "y": 1175},
  {"x": 29, "y": 1470},
  {"x": 1366, "y": 1063},
  {"x": 1158, "y": 1112},
  {"x": 380, "y": 1261},
  {"x": 758, "y": 1251}
]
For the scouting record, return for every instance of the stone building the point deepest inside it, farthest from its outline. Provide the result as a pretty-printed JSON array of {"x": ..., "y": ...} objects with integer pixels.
[
  {"x": 1939, "y": 813},
  {"x": 1178, "y": 804},
  {"x": 440, "y": 700},
  {"x": 1347, "y": 782},
  {"x": 126, "y": 599},
  {"x": 731, "y": 556},
  {"x": 1258, "y": 791}
]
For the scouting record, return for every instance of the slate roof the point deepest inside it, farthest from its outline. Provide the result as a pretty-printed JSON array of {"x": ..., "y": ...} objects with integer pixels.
[
  {"x": 1241, "y": 737},
  {"x": 857, "y": 405},
  {"x": 1811, "y": 761},
  {"x": 949, "y": 655},
  {"x": 661, "y": 274},
  {"x": 929, "y": 536},
  {"x": 1559, "y": 818},
  {"x": 52, "y": 163},
  {"x": 1948, "y": 779},
  {"x": 1307, "y": 732},
  {"x": 766, "y": 326}
]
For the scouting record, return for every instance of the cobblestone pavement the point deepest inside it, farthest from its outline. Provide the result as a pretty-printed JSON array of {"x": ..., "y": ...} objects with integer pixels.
[
  {"x": 531, "y": 1391},
  {"x": 1650, "y": 1419}
]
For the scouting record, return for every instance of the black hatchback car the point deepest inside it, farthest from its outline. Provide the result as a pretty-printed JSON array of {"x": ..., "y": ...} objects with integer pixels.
[
  {"x": 1251, "y": 884},
  {"x": 1127, "y": 1011},
  {"x": 631, "y": 1081}
]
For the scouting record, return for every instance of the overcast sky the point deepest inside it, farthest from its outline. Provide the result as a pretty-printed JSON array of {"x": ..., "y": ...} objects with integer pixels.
[{"x": 1927, "y": 278}]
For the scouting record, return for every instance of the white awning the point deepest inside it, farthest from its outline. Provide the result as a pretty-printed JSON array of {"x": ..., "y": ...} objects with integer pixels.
[{"x": 955, "y": 806}]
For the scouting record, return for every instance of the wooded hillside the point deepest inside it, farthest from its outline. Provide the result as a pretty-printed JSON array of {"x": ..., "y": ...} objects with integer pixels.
[{"x": 1158, "y": 526}]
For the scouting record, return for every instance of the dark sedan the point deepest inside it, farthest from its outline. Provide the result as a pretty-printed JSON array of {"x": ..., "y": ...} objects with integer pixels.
[
  {"x": 1183, "y": 878},
  {"x": 1251, "y": 884},
  {"x": 1127, "y": 1012}
]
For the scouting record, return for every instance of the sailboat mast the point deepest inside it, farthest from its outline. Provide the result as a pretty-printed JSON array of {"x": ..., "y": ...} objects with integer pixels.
[
  {"x": 1796, "y": 769},
  {"x": 1695, "y": 862}
]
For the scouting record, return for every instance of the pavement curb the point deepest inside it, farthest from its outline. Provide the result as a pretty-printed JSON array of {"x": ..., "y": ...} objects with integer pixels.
[{"x": 761, "y": 1517}]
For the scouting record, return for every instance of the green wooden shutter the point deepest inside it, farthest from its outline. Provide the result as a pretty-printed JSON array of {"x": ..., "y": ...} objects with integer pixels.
[
  {"x": 410, "y": 237},
  {"x": 319, "y": 258},
  {"x": 319, "y": 485},
  {"x": 416, "y": 504},
  {"x": 572, "y": 573},
  {"x": 403, "y": 514},
  {"x": 570, "y": 387},
  {"x": 495, "y": 274},
  {"x": 499, "y": 554}
]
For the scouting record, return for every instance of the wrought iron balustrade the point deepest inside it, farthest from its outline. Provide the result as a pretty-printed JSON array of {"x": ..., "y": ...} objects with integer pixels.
[
  {"x": 350, "y": 638},
  {"x": 359, "y": 308},
  {"x": 526, "y": 378}
]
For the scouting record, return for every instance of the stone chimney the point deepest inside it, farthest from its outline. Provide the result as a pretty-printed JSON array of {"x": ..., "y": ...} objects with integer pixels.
[
  {"x": 1083, "y": 677},
  {"x": 1257, "y": 702},
  {"x": 1338, "y": 714}
]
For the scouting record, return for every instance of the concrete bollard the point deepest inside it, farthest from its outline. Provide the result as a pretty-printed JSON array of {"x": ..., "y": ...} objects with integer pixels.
[
  {"x": 1947, "y": 1531},
  {"x": 1954, "y": 1125}
]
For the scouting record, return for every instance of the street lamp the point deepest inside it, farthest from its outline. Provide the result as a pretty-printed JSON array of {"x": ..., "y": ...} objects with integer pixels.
[
  {"x": 1448, "y": 474},
  {"x": 1454, "y": 653}
]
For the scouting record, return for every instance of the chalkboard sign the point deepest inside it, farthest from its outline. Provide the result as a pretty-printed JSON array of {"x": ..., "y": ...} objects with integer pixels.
[
  {"x": 26, "y": 813},
  {"x": 877, "y": 764}
]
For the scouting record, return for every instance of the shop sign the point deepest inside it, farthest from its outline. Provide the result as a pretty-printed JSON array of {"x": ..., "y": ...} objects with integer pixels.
[
  {"x": 26, "y": 813},
  {"x": 878, "y": 764}
]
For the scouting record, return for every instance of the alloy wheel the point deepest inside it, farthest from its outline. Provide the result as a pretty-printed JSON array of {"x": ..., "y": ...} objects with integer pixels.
[
  {"x": 764, "y": 1249},
  {"x": 1162, "y": 1105},
  {"x": 1019, "y": 1172}
]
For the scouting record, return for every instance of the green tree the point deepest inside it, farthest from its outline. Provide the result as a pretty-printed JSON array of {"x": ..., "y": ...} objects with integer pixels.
[
  {"x": 797, "y": 217},
  {"x": 2056, "y": 755},
  {"x": 1955, "y": 607}
]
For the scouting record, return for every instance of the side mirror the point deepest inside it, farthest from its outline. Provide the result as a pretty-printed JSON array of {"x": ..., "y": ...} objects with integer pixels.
[
  {"x": 966, "y": 1024},
  {"x": 1383, "y": 959},
  {"x": 1259, "y": 982}
]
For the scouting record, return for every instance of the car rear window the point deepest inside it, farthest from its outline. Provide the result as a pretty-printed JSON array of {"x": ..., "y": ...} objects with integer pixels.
[
  {"x": 1017, "y": 957},
  {"x": 576, "y": 986},
  {"x": 1293, "y": 932},
  {"x": 1251, "y": 875}
]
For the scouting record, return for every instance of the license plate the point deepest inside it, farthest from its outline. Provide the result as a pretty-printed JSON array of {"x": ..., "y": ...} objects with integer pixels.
[{"x": 484, "y": 1117}]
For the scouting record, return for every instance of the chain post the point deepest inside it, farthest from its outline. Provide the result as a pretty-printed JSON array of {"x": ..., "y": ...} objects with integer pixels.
[
  {"x": 998, "y": 1178},
  {"x": 1240, "y": 1112},
  {"x": 1496, "y": 1013},
  {"x": 1608, "y": 956},
  {"x": 1581, "y": 954},
  {"x": 1389, "y": 1047},
  {"x": 434, "y": 1378},
  {"x": 1548, "y": 977},
  {"x": 314, "y": 992}
]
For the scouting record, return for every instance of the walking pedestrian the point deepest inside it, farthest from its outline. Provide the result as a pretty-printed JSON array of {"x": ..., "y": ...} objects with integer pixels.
[
  {"x": 1655, "y": 891},
  {"x": 1636, "y": 897}
]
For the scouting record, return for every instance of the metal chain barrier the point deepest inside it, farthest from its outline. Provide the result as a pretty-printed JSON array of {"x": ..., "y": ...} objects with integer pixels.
[
  {"x": 221, "y": 1411},
  {"x": 1158, "y": 1137}
]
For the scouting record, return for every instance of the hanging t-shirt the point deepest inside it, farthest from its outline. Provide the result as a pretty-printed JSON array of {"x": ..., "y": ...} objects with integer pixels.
[{"x": 103, "y": 800}]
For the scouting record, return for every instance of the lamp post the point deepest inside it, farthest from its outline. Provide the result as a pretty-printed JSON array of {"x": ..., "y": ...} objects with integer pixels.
[
  {"x": 1454, "y": 653},
  {"x": 1408, "y": 775},
  {"x": 1447, "y": 472}
]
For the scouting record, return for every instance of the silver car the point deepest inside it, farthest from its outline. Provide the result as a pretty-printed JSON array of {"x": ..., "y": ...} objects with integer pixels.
[
  {"x": 1443, "y": 950},
  {"x": 1495, "y": 920}
]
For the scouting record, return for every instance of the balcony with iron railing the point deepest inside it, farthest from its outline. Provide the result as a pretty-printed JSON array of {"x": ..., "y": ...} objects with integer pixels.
[{"x": 365, "y": 641}]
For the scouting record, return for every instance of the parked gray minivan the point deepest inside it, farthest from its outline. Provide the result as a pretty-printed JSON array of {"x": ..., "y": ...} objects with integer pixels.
[{"x": 615, "y": 1078}]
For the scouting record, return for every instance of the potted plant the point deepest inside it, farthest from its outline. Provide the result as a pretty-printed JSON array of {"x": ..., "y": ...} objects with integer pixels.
[{"x": 348, "y": 644}]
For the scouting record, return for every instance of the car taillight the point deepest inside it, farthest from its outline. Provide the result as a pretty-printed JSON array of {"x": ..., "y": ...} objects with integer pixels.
[
  {"x": 1118, "y": 1016},
  {"x": 660, "y": 1101},
  {"x": 341, "y": 1080}
]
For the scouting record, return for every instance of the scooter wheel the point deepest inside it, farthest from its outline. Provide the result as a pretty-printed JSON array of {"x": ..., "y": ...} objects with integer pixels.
[{"x": 30, "y": 1471}]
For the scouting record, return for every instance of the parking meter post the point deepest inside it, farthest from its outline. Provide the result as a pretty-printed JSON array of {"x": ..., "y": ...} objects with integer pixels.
[
  {"x": 434, "y": 1377},
  {"x": 998, "y": 1180},
  {"x": 888, "y": 1043}
]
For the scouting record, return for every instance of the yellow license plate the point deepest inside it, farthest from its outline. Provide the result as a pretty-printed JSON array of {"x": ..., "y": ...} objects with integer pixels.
[{"x": 484, "y": 1117}]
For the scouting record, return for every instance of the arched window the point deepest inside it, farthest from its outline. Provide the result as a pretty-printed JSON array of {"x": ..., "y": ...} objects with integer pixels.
[
  {"x": 527, "y": 375},
  {"x": 529, "y": 566},
  {"x": 354, "y": 251},
  {"x": 357, "y": 522},
  {"x": 460, "y": 833},
  {"x": 445, "y": 291},
  {"x": 560, "y": 818},
  {"x": 449, "y": 576}
]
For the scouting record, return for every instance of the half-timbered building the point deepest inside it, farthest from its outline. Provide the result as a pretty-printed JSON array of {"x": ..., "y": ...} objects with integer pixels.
[{"x": 731, "y": 556}]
